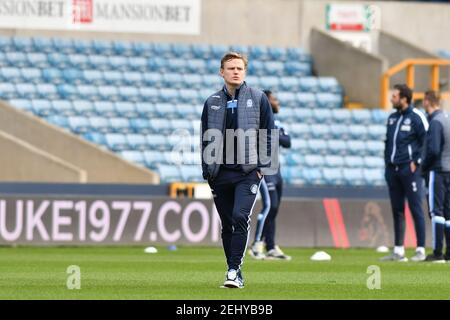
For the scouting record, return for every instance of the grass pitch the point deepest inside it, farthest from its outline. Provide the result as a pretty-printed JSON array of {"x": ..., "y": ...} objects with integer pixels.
[{"x": 197, "y": 273}]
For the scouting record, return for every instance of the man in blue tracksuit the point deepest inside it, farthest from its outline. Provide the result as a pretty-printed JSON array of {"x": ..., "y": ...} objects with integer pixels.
[
  {"x": 232, "y": 163},
  {"x": 436, "y": 169},
  {"x": 405, "y": 140},
  {"x": 271, "y": 192}
]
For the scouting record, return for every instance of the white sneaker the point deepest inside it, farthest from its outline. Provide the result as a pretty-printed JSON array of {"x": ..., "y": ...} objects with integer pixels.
[
  {"x": 419, "y": 256},
  {"x": 257, "y": 250},
  {"x": 234, "y": 279},
  {"x": 277, "y": 254}
]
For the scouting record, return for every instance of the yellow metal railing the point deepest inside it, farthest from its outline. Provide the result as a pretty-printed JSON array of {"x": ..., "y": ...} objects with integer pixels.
[{"x": 410, "y": 65}]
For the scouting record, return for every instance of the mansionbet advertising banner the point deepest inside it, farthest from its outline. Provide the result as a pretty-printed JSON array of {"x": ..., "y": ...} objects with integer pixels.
[
  {"x": 162, "y": 221},
  {"x": 141, "y": 16}
]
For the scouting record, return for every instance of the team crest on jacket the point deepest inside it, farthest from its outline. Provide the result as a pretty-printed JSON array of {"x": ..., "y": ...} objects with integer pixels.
[
  {"x": 215, "y": 107},
  {"x": 254, "y": 188},
  {"x": 249, "y": 103},
  {"x": 407, "y": 121},
  {"x": 392, "y": 121}
]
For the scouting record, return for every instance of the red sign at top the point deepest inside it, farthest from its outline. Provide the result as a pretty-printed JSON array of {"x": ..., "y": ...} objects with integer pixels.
[{"x": 82, "y": 11}]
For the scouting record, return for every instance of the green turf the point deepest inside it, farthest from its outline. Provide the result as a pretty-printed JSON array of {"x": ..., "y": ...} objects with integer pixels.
[{"x": 197, "y": 273}]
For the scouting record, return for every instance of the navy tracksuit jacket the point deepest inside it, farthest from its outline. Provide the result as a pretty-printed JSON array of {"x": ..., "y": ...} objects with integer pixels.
[{"x": 405, "y": 139}]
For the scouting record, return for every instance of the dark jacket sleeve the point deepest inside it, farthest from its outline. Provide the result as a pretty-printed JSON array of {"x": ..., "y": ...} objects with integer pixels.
[
  {"x": 203, "y": 143},
  {"x": 266, "y": 121},
  {"x": 433, "y": 145},
  {"x": 421, "y": 133}
]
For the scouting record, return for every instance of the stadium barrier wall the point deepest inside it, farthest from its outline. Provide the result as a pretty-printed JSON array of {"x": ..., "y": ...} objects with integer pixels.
[
  {"x": 24, "y": 162},
  {"x": 101, "y": 166},
  {"x": 339, "y": 59},
  {"x": 142, "y": 220},
  {"x": 396, "y": 49}
]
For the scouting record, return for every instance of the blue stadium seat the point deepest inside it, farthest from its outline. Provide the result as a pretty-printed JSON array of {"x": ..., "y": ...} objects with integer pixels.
[
  {"x": 306, "y": 100},
  {"x": 26, "y": 91},
  {"x": 358, "y": 132},
  {"x": 317, "y": 146},
  {"x": 353, "y": 176},
  {"x": 183, "y": 51},
  {"x": 300, "y": 130},
  {"x": 295, "y": 53},
  {"x": 59, "y": 121},
  {"x": 152, "y": 79},
  {"x": 373, "y": 162},
  {"x": 287, "y": 115},
  {"x": 182, "y": 124},
  {"x": 113, "y": 77},
  {"x": 118, "y": 63},
  {"x": 194, "y": 81},
  {"x": 133, "y": 78},
  {"x": 320, "y": 131},
  {"x": 42, "y": 107},
  {"x": 377, "y": 132},
  {"x": 95, "y": 137},
  {"x": 191, "y": 173},
  {"x": 146, "y": 110},
  {"x": 116, "y": 141},
  {"x": 329, "y": 84},
  {"x": 43, "y": 45},
  {"x": 120, "y": 125},
  {"x": 186, "y": 111},
  {"x": 212, "y": 81},
  {"x": 72, "y": 76},
  {"x": 295, "y": 159},
  {"x": 52, "y": 75},
  {"x": 162, "y": 126},
  {"x": 309, "y": 84},
  {"x": 79, "y": 125},
  {"x": 329, "y": 100},
  {"x": 173, "y": 80},
  {"x": 354, "y": 161},
  {"x": 133, "y": 156},
  {"x": 202, "y": 51},
  {"x": 100, "y": 124},
  {"x": 67, "y": 91},
  {"x": 144, "y": 49},
  {"x": 137, "y": 63},
  {"x": 88, "y": 92},
  {"x": 110, "y": 93},
  {"x": 343, "y": 116},
  {"x": 314, "y": 160},
  {"x": 217, "y": 51},
  {"x": 83, "y": 107},
  {"x": 104, "y": 47},
  {"x": 123, "y": 48},
  {"x": 337, "y": 147},
  {"x": 341, "y": 132},
  {"x": 169, "y": 173},
  {"x": 379, "y": 116},
  {"x": 276, "y": 53},
  {"x": 375, "y": 148},
  {"x": 148, "y": 94},
  {"x": 356, "y": 147},
  {"x": 374, "y": 177},
  {"x": 6, "y": 44},
  {"x": 303, "y": 115},
  {"x": 58, "y": 60},
  {"x": 78, "y": 61},
  {"x": 268, "y": 83},
  {"x": 322, "y": 115},
  {"x": 190, "y": 96},
  {"x": 169, "y": 95},
  {"x": 289, "y": 84},
  {"x": 362, "y": 116},
  {"x": 33, "y": 75},
  {"x": 294, "y": 175},
  {"x": 163, "y": 50},
  {"x": 22, "y": 104},
  {"x": 37, "y": 60},
  {"x": 197, "y": 66},
  {"x": 129, "y": 93},
  {"x": 297, "y": 69},
  {"x": 98, "y": 62},
  {"x": 212, "y": 66},
  {"x": 299, "y": 144},
  {"x": 140, "y": 125},
  {"x": 7, "y": 91},
  {"x": 274, "y": 68},
  {"x": 93, "y": 77},
  {"x": 63, "y": 107},
  {"x": 177, "y": 65},
  {"x": 333, "y": 176},
  {"x": 137, "y": 141},
  {"x": 63, "y": 45},
  {"x": 157, "y": 142},
  {"x": 258, "y": 53},
  {"x": 313, "y": 176},
  {"x": 334, "y": 161},
  {"x": 11, "y": 74},
  {"x": 47, "y": 91},
  {"x": 125, "y": 109},
  {"x": 105, "y": 108},
  {"x": 288, "y": 99},
  {"x": 16, "y": 59},
  {"x": 83, "y": 46},
  {"x": 153, "y": 158},
  {"x": 22, "y": 44}
]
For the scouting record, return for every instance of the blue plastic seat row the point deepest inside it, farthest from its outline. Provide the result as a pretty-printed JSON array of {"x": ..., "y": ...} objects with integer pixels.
[
  {"x": 337, "y": 131},
  {"x": 334, "y": 161},
  {"x": 339, "y": 147},
  {"x": 310, "y": 100}
]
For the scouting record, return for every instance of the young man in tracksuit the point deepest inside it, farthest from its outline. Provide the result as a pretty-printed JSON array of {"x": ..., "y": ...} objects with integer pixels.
[
  {"x": 271, "y": 191},
  {"x": 436, "y": 169},
  {"x": 231, "y": 163},
  {"x": 405, "y": 140}
]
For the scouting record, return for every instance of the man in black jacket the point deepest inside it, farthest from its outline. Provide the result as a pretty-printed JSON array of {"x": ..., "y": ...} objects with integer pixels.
[
  {"x": 237, "y": 124},
  {"x": 436, "y": 169}
]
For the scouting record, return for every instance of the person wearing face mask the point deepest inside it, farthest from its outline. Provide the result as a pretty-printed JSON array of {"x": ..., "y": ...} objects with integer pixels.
[
  {"x": 404, "y": 146},
  {"x": 436, "y": 170}
]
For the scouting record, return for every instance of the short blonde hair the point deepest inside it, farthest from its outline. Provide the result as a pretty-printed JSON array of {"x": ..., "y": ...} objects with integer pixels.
[{"x": 233, "y": 55}]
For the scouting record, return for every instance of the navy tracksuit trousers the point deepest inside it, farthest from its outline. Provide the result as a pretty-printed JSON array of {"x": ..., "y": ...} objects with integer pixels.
[
  {"x": 271, "y": 192},
  {"x": 403, "y": 184},
  {"x": 439, "y": 206},
  {"x": 234, "y": 196}
]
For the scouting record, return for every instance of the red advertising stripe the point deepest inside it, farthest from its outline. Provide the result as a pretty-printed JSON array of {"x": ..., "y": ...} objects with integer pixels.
[
  {"x": 410, "y": 234},
  {"x": 336, "y": 223}
]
